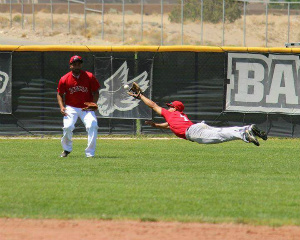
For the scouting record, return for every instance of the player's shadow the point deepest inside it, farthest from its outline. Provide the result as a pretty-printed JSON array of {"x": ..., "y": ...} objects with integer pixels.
[
  {"x": 103, "y": 157},
  {"x": 91, "y": 158}
]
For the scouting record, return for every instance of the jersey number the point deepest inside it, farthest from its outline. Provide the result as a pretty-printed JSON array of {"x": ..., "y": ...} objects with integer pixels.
[{"x": 185, "y": 118}]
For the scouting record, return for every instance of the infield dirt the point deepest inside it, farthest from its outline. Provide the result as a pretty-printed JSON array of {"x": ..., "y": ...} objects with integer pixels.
[{"x": 27, "y": 229}]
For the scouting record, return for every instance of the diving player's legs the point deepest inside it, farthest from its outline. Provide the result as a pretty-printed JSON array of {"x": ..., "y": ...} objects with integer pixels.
[{"x": 205, "y": 134}]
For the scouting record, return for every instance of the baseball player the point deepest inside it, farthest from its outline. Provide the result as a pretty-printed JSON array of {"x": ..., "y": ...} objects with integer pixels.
[
  {"x": 178, "y": 122},
  {"x": 80, "y": 91}
]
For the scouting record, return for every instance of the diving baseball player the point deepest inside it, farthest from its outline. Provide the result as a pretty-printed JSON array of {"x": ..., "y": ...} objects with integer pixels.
[{"x": 178, "y": 122}]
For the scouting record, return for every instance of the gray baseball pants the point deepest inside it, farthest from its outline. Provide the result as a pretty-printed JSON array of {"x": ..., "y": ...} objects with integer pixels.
[{"x": 205, "y": 134}]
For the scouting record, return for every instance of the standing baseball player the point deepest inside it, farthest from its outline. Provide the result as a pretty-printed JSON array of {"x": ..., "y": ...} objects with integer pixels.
[
  {"x": 182, "y": 127},
  {"x": 80, "y": 91}
]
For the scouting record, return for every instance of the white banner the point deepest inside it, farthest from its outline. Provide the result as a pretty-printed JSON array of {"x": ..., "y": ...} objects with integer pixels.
[
  {"x": 5, "y": 83},
  {"x": 259, "y": 83}
]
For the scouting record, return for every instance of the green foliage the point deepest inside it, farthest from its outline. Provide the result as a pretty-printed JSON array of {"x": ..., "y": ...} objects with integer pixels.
[
  {"x": 280, "y": 5},
  {"x": 212, "y": 11},
  {"x": 152, "y": 180},
  {"x": 17, "y": 18}
]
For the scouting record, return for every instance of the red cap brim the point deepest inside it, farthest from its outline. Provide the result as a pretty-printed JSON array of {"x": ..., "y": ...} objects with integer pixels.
[{"x": 77, "y": 60}]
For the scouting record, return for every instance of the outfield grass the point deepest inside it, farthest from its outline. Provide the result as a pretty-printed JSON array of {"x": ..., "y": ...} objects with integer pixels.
[{"x": 152, "y": 180}]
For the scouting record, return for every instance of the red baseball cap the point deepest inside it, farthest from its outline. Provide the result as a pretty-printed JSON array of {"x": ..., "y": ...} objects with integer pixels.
[
  {"x": 75, "y": 58},
  {"x": 177, "y": 105}
]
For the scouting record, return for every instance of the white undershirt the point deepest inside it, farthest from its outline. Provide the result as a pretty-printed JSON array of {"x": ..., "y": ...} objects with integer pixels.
[{"x": 76, "y": 76}]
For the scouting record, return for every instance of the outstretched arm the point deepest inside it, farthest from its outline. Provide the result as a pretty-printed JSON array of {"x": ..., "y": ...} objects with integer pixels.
[
  {"x": 136, "y": 92},
  {"x": 164, "y": 125},
  {"x": 151, "y": 104}
]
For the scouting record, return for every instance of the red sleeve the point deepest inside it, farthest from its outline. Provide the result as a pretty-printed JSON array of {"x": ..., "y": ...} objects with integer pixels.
[
  {"x": 164, "y": 113},
  {"x": 95, "y": 85},
  {"x": 61, "y": 86}
]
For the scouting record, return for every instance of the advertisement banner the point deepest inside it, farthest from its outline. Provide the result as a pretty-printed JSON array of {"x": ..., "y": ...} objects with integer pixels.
[
  {"x": 113, "y": 74},
  {"x": 5, "y": 83},
  {"x": 263, "y": 83}
]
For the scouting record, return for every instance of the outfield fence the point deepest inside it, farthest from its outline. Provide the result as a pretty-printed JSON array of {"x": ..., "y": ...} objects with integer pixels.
[
  {"x": 128, "y": 22},
  {"x": 223, "y": 86}
]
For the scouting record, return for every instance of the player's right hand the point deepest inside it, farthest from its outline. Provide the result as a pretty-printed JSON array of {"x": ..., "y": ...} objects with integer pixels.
[
  {"x": 63, "y": 111},
  {"x": 151, "y": 123}
]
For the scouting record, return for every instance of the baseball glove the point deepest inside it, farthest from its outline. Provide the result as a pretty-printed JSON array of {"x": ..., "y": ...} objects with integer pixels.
[
  {"x": 135, "y": 91},
  {"x": 90, "y": 106}
]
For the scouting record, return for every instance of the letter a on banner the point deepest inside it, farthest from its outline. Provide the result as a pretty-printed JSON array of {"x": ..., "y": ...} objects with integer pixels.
[
  {"x": 283, "y": 83},
  {"x": 5, "y": 83}
]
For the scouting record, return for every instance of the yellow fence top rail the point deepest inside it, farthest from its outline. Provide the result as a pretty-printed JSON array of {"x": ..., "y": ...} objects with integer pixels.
[{"x": 184, "y": 48}]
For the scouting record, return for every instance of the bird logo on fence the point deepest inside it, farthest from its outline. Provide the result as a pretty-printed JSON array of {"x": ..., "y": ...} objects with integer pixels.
[{"x": 114, "y": 96}]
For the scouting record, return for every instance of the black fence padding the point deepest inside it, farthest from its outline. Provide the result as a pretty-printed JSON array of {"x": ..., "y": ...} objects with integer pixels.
[{"x": 196, "y": 79}]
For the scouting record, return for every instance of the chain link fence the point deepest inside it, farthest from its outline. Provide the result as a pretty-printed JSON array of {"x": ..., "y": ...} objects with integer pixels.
[{"x": 161, "y": 22}]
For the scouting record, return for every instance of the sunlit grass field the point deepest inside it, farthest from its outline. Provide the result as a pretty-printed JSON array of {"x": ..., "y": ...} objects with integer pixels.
[{"x": 152, "y": 180}]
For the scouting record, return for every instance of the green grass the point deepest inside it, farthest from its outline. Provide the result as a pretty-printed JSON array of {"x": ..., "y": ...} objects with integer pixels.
[{"x": 152, "y": 180}]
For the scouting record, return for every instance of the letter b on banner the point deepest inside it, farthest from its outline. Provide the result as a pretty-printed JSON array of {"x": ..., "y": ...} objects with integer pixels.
[{"x": 250, "y": 87}]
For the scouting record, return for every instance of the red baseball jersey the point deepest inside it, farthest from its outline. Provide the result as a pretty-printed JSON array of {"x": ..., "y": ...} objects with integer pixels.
[
  {"x": 78, "y": 91},
  {"x": 178, "y": 122}
]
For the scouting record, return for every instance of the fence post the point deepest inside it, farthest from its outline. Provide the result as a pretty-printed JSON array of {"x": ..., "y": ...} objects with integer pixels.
[
  {"x": 267, "y": 5},
  {"x": 223, "y": 23},
  {"x": 51, "y": 3},
  {"x": 288, "y": 40},
  {"x": 162, "y": 23},
  {"x": 22, "y": 14},
  {"x": 10, "y": 13},
  {"x": 142, "y": 19},
  {"x": 244, "y": 23},
  {"x": 33, "y": 16},
  {"x": 102, "y": 21},
  {"x": 84, "y": 12},
  {"x": 201, "y": 22},
  {"x": 137, "y": 123},
  {"x": 181, "y": 22},
  {"x": 123, "y": 17},
  {"x": 69, "y": 23}
]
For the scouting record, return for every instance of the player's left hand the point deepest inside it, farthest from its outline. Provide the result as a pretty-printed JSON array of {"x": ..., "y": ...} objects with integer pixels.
[
  {"x": 135, "y": 91},
  {"x": 63, "y": 111},
  {"x": 90, "y": 106}
]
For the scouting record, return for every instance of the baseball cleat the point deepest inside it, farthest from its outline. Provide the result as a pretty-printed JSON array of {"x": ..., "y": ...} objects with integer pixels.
[
  {"x": 250, "y": 137},
  {"x": 257, "y": 132},
  {"x": 65, "y": 153}
]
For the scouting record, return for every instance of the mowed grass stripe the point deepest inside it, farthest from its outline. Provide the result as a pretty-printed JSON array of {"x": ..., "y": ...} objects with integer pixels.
[{"x": 172, "y": 180}]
